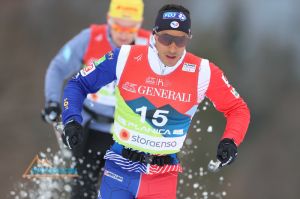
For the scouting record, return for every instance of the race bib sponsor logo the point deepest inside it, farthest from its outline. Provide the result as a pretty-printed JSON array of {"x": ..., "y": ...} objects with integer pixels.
[
  {"x": 158, "y": 81},
  {"x": 159, "y": 92},
  {"x": 164, "y": 93},
  {"x": 150, "y": 80},
  {"x": 155, "y": 142},
  {"x": 189, "y": 67},
  {"x": 152, "y": 143},
  {"x": 125, "y": 135}
]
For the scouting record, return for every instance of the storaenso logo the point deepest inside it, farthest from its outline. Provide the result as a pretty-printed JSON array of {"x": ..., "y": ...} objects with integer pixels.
[
  {"x": 124, "y": 135},
  {"x": 157, "y": 144},
  {"x": 40, "y": 168}
]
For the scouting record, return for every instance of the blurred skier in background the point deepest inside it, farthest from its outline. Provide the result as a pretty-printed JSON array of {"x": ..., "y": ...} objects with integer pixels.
[{"x": 124, "y": 20}]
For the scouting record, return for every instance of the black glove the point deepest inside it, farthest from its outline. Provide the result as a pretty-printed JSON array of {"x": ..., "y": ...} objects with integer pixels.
[
  {"x": 227, "y": 151},
  {"x": 52, "y": 112},
  {"x": 73, "y": 134}
]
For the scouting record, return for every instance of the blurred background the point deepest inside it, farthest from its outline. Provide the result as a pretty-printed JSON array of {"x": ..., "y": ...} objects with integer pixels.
[{"x": 256, "y": 43}]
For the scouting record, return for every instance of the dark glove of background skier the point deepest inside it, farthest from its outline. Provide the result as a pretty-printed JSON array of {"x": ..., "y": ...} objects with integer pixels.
[
  {"x": 52, "y": 112},
  {"x": 73, "y": 135},
  {"x": 227, "y": 151}
]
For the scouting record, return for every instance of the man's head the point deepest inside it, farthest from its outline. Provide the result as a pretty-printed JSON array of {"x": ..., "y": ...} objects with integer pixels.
[
  {"x": 172, "y": 31},
  {"x": 124, "y": 19}
]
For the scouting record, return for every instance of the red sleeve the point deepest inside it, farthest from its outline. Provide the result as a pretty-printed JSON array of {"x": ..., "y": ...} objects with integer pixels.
[{"x": 228, "y": 101}]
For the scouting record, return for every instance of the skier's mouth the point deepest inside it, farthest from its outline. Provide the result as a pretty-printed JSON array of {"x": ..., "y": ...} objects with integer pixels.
[{"x": 172, "y": 57}]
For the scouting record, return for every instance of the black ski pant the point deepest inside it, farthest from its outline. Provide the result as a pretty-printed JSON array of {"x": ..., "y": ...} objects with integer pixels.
[{"x": 89, "y": 163}]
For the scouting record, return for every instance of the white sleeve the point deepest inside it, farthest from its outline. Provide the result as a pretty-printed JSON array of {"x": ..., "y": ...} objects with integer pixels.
[
  {"x": 203, "y": 79},
  {"x": 122, "y": 59}
]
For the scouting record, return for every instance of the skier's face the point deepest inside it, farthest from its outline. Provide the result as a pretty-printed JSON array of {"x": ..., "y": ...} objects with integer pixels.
[
  {"x": 123, "y": 32},
  {"x": 170, "y": 45}
]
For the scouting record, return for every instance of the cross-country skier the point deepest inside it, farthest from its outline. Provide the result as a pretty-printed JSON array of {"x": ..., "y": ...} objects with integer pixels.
[{"x": 158, "y": 90}]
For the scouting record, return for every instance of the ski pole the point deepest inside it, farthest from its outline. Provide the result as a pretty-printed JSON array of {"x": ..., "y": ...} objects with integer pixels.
[
  {"x": 214, "y": 166},
  {"x": 58, "y": 129}
]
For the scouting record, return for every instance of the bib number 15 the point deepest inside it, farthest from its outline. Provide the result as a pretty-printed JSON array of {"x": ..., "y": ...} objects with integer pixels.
[{"x": 159, "y": 117}]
